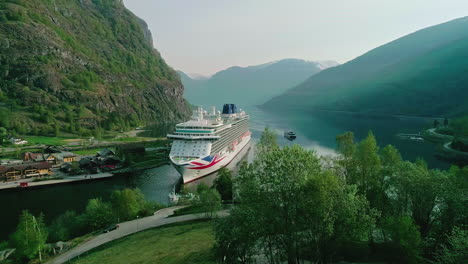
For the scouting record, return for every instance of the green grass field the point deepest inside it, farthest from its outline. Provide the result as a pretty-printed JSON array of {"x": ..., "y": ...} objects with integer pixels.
[
  {"x": 89, "y": 151},
  {"x": 34, "y": 140},
  {"x": 190, "y": 242}
]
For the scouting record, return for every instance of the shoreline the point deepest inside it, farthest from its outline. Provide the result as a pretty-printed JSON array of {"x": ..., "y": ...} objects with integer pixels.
[{"x": 72, "y": 179}]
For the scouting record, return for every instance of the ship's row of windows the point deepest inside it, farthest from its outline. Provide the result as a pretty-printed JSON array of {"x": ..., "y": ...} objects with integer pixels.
[{"x": 196, "y": 148}]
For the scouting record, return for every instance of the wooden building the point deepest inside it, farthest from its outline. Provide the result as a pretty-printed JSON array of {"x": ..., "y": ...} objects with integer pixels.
[{"x": 25, "y": 170}]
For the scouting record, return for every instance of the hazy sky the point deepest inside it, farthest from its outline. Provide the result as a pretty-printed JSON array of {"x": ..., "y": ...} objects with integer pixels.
[{"x": 205, "y": 36}]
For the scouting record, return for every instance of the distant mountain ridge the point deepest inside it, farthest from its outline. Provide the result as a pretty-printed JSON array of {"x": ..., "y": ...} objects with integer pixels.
[
  {"x": 251, "y": 85},
  {"x": 423, "y": 73}
]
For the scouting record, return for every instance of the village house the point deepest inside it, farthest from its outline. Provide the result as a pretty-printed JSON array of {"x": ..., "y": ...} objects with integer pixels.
[
  {"x": 34, "y": 157},
  {"x": 18, "y": 141},
  {"x": 25, "y": 170},
  {"x": 52, "y": 158},
  {"x": 62, "y": 157},
  {"x": 105, "y": 153}
]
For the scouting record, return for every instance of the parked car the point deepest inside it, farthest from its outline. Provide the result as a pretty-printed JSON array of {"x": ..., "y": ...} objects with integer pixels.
[{"x": 111, "y": 228}]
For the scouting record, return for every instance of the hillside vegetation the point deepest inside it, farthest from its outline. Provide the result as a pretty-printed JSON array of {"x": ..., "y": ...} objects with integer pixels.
[
  {"x": 253, "y": 85},
  {"x": 75, "y": 65},
  {"x": 424, "y": 73}
]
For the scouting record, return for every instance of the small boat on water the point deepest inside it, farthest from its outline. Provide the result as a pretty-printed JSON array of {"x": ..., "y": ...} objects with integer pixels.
[{"x": 291, "y": 135}]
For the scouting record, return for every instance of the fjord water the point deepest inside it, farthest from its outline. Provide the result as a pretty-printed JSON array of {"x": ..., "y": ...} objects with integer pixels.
[{"x": 315, "y": 131}]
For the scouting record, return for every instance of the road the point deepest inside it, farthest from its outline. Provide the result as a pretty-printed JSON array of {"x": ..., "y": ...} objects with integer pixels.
[
  {"x": 432, "y": 131},
  {"x": 127, "y": 228}
]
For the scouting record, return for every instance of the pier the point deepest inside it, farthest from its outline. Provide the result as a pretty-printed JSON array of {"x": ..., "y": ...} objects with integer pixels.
[{"x": 29, "y": 183}]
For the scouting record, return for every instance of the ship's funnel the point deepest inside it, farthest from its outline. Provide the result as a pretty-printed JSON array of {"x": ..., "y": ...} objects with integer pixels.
[{"x": 229, "y": 109}]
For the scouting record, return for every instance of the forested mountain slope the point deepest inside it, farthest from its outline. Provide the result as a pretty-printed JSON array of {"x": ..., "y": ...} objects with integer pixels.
[
  {"x": 424, "y": 73},
  {"x": 81, "y": 64}
]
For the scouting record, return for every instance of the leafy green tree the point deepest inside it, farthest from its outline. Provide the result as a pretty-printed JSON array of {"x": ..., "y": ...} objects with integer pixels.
[
  {"x": 5, "y": 116},
  {"x": 127, "y": 203},
  {"x": 75, "y": 168},
  {"x": 98, "y": 214},
  {"x": 30, "y": 236},
  {"x": 415, "y": 192},
  {"x": 3, "y": 135},
  {"x": 456, "y": 250},
  {"x": 268, "y": 141},
  {"x": 298, "y": 207},
  {"x": 346, "y": 147},
  {"x": 236, "y": 237},
  {"x": 209, "y": 200},
  {"x": 56, "y": 129},
  {"x": 390, "y": 157},
  {"x": 65, "y": 227},
  {"x": 368, "y": 165},
  {"x": 453, "y": 209},
  {"x": 404, "y": 239},
  {"x": 223, "y": 184}
]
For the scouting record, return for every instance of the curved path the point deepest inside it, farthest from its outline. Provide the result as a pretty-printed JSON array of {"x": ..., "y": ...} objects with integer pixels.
[
  {"x": 127, "y": 228},
  {"x": 448, "y": 147},
  {"x": 442, "y": 137}
]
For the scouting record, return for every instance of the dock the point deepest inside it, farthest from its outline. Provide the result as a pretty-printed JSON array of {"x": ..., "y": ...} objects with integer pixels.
[{"x": 79, "y": 178}]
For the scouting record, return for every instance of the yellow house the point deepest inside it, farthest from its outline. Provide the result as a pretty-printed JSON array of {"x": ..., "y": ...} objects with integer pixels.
[
  {"x": 21, "y": 171},
  {"x": 59, "y": 158}
]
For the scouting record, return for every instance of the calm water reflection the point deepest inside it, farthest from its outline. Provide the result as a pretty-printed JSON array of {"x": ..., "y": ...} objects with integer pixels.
[{"x": 315, "y": 131}]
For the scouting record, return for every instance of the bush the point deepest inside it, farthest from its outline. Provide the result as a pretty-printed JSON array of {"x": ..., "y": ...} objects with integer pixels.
[
  {"x": 209, "y": 200},
  {"x": 97, "y": 215},
  {"x": 223, "y": 184},
  {"x": 66, "y": 226},
  {"x": 128, "y": 203}
]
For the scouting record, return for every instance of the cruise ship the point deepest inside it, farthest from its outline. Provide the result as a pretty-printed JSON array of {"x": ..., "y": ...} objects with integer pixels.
[{"x": 209, "y": 141}]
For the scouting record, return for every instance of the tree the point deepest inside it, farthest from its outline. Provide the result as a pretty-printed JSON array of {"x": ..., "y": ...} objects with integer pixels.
[
  {"x": 267, "y": 142},
  {"x": 456, "y": 250},
  {"x": 453, "y": 209},
  {"x": 56, "y": 129},
  {"x": 415, "y": 192},
  {"x": 30, "y": 236},
  {"x": 436, "y": 123},
  {"x": 65, "y": 227},
  {"x": 446, "y": 122},
  {"x": 209, "y": 200},
  {"x": 3, "y": 135},
  {"x": 236, "y": 237},
  {"x": 223, "y": 184},
  {"x": 297, "y": 207},
  {"x": 404, "y": 239},
  {"x": 98, "y": 214},
  {"x": 127, "y": 203},
  {"x": 368, "y": 176},
  {"x": 347, "y": 148}
]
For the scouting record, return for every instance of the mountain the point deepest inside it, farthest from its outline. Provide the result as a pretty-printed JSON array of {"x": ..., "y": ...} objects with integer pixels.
[
  {"x": 424, "y": 73},
  {"x": 81, "y": 64},
  {"x": 247, "y": 86}
]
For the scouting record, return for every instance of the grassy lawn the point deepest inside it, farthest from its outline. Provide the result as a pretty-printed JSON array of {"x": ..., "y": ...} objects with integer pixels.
[
  {"x": 89, "y": 151},
  {"x": 129, "y": 139},
  {"x": 34, "y": 140},
  {"x": 190, "y": 242}
]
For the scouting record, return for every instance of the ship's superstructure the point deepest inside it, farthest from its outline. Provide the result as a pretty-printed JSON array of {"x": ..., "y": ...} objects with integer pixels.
[{"x": 209, "y": 141}]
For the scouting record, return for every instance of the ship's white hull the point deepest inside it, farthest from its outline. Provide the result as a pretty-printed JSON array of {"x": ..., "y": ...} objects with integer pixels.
[{"x": 191, "y": 173}]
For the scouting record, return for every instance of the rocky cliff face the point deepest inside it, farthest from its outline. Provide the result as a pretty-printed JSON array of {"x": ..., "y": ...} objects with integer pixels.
[{"x": 82, "y": 63}]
